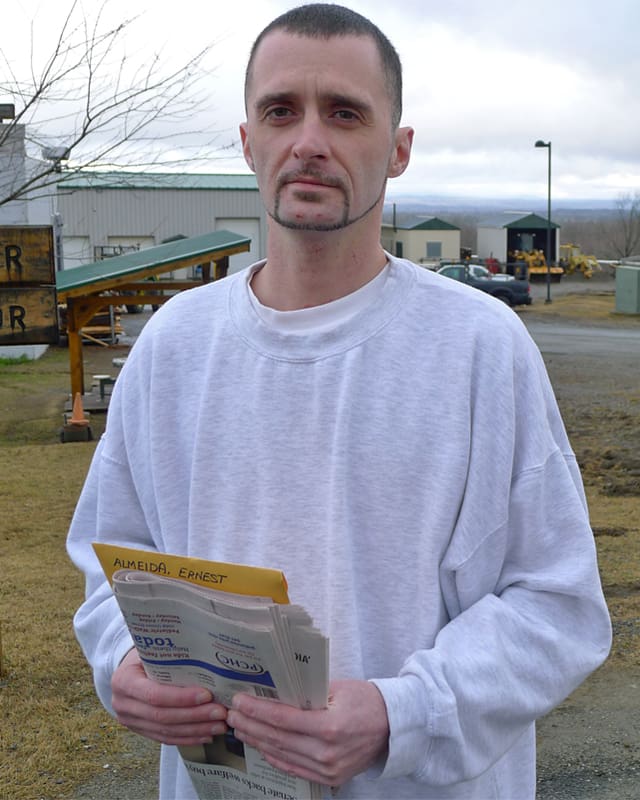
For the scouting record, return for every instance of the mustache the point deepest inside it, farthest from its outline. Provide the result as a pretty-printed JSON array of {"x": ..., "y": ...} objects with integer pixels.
[{"x": 294, "y": 175}]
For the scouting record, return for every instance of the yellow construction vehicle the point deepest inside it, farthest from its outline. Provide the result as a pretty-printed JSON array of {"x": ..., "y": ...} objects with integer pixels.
[
  {"x": 572, "y": 258},
  {"x": 537, "y": 265}
]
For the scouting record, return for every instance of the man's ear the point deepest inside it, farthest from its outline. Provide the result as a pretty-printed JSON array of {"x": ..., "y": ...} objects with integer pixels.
[
  {"x": 399, "y": 160},
  {"x": 244, "y": 137}
]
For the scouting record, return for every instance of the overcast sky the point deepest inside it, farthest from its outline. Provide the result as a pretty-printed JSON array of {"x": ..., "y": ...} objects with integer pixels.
[{"x": 483, "y": 81}]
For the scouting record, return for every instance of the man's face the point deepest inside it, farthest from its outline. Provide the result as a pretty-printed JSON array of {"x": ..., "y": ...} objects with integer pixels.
[{"x": 318, "y": 133}]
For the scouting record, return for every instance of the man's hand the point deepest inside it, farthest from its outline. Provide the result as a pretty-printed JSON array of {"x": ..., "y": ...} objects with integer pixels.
[
  {"x": 328, "y": 746},
  {"x": 168, "y": 714}
]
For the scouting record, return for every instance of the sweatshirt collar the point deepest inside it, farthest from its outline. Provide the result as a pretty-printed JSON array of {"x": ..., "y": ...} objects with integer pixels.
[{"x": 339, "y": 328}]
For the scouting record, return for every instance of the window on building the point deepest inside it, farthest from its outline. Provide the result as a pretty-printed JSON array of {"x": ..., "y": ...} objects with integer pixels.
[
  {"x": 399, "y": 250},
  {"x": 434, "y": 250}
]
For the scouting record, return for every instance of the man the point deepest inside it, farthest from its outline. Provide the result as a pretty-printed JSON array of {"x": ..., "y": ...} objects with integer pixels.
[{"x": 332, "y": 412}]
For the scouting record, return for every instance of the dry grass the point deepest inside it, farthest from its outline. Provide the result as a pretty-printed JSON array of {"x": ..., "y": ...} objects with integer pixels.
[
  {"x": 53, "y": 733},
  {"x": 54, "y": 736},
  {"x": 616, "y": 524},
  {"x": 598, "y": 307}
]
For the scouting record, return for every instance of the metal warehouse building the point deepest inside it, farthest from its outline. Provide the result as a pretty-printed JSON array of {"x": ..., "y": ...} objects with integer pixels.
[
  {"x": 500, "y": 236},
  {"x": 105, "y": 214}
]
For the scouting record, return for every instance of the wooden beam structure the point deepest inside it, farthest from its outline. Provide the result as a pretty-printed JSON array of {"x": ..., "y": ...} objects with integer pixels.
[{"x": 92, "y": 288}]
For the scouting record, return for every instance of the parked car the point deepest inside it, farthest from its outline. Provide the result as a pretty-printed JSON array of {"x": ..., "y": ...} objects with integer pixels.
[
  {"x": 513, "y": 292},
  {"x": 478, "y": 271}
]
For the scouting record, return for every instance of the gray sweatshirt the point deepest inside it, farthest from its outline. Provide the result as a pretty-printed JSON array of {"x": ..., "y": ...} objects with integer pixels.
[{"x": 406, "y": 466}]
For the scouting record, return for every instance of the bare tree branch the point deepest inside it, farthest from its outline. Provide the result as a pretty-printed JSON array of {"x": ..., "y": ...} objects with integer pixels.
[
  {"x": 623, "y": 233},
  {"x": 92, "y": 99}
]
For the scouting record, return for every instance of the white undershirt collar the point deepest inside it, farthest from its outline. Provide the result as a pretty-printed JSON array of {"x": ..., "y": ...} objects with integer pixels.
[{"x": 319, "y": 318}]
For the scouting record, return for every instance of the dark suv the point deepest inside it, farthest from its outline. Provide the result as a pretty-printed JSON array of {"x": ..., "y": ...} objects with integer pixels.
[{"x": 514, "y": 293}]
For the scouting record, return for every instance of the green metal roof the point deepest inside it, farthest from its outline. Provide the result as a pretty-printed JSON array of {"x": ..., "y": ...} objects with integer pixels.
[
  {"x": 434, "y": 224},
  {"x": 158, "y": 180},
  {"x": 163, "y": 255},
  {"x": 517, "y": 221},
  {"x": 431, "y": 224}
]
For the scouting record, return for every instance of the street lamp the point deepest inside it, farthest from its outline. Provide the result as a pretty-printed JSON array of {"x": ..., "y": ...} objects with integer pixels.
[
  {"x": 56, "y": 155},
  {"x": 540, "y": 143}
]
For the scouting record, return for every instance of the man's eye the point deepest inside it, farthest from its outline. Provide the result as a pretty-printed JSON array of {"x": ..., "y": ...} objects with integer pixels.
[
  {"x": 346, "y": 115},
  {"x": 280, "y": 112}
]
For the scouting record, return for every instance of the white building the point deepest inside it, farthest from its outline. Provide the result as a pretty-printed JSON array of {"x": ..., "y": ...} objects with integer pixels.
[
  {"x": 30, "y": 208},
  {"x": 110, "y": 213},
  {"x": 422, "y": 241},
  {"x": 16, "y": 167}
]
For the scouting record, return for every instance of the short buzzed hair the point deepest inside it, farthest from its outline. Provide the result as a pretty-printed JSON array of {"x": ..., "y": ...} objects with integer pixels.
[{"x": 324, "y": 21}]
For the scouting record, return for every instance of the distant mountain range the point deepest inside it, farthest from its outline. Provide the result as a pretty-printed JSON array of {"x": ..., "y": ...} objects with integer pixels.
[{"x": 437, "y": 206}]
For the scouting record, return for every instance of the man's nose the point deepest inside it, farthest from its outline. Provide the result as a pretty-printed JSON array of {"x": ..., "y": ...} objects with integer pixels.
[{"x": 311, "y": 140}]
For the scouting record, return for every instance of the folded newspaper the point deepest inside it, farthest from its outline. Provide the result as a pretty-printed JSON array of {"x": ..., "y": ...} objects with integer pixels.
[{"x": 228, "y": 642}]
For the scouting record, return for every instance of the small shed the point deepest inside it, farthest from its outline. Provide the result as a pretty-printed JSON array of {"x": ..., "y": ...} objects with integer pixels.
[
  {"x": 91, "y": 288},
  {"x": 422, "y": 240},
  {"x": 502, "y": 235},
  {"x": 628, "y": 286}
]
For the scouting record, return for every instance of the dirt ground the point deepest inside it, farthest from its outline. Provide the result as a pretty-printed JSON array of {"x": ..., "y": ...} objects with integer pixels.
[{"x": 589, "y": 747}]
